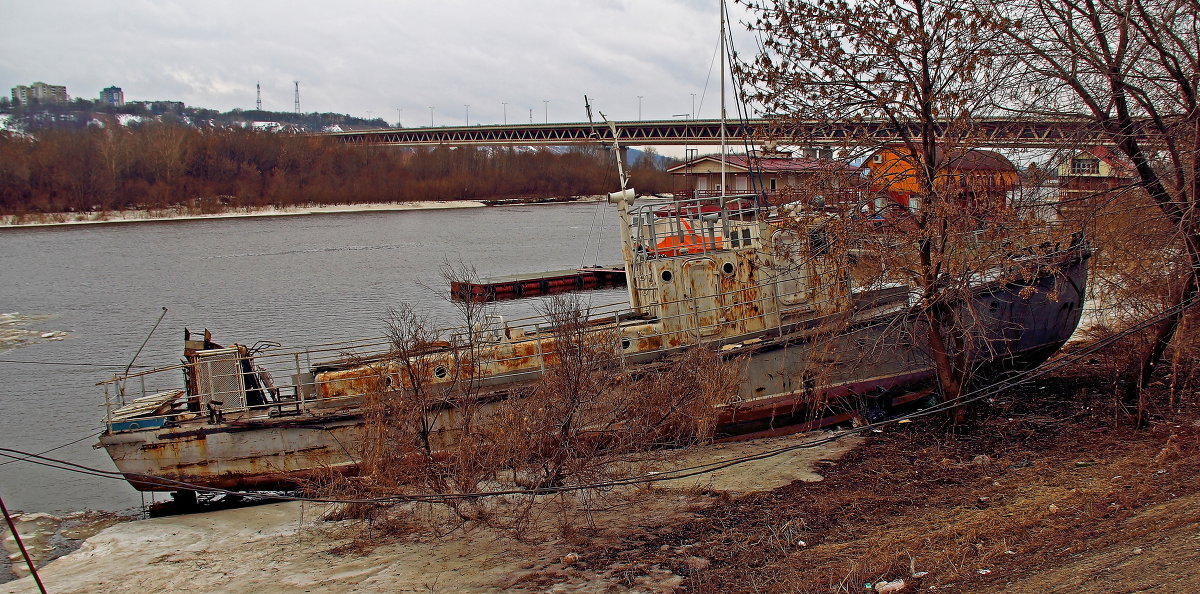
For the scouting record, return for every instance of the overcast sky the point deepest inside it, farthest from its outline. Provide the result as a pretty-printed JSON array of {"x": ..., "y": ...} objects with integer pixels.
[{"x": 373, "y": 57}]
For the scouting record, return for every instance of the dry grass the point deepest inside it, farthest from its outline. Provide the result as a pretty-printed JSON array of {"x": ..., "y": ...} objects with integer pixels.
[{"x": 1042, "y": 476}]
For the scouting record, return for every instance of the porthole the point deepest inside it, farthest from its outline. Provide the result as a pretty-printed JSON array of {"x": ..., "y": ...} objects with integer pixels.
[
  {"x": 728, "y": 268},
  {"x": 625, "y": 344},
  {"x": 666, "y": 276},
  {"x": 440, "y": 371},
  {"x": 994, "y": 306}
]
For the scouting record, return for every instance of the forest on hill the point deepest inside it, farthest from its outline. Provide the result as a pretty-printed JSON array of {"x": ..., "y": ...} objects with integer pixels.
[{"x": 160, "y": 165}]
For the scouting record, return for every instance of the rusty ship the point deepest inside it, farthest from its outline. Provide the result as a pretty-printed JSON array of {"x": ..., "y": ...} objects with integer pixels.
[{"x": 754, "y": 284}]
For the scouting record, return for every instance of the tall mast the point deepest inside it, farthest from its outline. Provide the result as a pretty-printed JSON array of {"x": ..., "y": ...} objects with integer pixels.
[{"x": 724, "y": 188}]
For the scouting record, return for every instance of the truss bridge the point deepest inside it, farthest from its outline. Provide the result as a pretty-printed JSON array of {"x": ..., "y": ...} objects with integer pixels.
[{"x": 995, "y": 132}]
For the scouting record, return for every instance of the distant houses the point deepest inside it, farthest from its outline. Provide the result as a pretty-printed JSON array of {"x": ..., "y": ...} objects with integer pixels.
[
  {"x": 39, "y": 92},
  {"x": 781, "y": 176},
  {"x": 1088, "y": 178},
  {"x": 42, "y": 93},
  {"x": 979, "y": 180}
]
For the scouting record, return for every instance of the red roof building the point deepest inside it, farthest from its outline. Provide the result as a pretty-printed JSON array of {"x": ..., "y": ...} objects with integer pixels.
[{"x": 784, "y": 178}]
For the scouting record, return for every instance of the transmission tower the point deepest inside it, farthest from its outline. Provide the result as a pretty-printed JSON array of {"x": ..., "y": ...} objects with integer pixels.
[
  {"x": 297, "y": 83},
  {"x": 258, "y": 91}
]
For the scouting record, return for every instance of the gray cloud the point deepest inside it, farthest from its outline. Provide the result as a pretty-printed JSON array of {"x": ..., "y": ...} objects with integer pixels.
[{"x": 375, "y": 56}]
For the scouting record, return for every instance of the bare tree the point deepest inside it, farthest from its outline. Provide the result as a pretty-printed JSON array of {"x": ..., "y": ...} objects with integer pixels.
[
  {"x": 1133, "y": 68},
  {"x": 432, "y": 430},
  {"x": 920, "y": 70}
]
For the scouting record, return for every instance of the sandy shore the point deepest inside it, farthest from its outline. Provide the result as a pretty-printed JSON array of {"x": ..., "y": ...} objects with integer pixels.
[{"x": 287, "y": 548}]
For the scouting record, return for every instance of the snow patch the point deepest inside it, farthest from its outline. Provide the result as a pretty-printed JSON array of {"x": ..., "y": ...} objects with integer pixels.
[
  {"x": 126, "y": 119},
  {"x": 267, "y": 126}
]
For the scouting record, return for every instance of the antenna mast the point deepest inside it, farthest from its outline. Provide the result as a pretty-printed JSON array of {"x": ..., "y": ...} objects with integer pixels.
[
  {"x": 297, "y": 83},
  {"x": 724, "y": 151},
  {"x": 258, "y": 93}
]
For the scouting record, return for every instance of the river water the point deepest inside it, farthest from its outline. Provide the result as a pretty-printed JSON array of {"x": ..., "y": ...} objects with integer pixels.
[{"x": 298, "y": 280}]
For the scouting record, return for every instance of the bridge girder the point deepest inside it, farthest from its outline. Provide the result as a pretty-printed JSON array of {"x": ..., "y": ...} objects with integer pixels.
[{"x": 996, "y": 132}]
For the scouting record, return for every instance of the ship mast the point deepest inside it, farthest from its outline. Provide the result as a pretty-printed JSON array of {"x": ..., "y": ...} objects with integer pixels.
[
  {"x": 624, "y": 199},
  {"x": 724, "y": 189}
]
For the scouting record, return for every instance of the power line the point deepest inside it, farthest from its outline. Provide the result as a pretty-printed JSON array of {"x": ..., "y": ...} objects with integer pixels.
[{"x": 119, "y": 365}]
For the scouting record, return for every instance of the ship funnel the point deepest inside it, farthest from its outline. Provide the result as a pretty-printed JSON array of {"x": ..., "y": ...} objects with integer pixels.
[{"x": 628, "y": 195}]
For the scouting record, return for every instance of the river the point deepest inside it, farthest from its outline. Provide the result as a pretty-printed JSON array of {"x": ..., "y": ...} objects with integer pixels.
[{"x": 297, "y": 280}]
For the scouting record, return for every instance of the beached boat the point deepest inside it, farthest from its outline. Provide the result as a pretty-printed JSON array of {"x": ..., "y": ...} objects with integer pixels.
[{"x": 816, "y": 350}]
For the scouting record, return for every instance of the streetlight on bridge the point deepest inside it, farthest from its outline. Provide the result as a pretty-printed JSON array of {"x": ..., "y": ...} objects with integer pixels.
[
  {"x": 505, "y": 104},
  {"x": 547, "y": 103},
  {"x": 467, "y": 117},
  {"x": 430, "y": 116},
  {"x": 639, "y": 108}
]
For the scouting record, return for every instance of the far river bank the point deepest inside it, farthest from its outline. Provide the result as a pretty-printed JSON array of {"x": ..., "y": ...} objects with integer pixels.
[{"x": 181, "y": 213}]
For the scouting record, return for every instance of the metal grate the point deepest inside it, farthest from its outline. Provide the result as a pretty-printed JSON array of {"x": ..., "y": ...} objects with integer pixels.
[{"x": 219, "y": 378}]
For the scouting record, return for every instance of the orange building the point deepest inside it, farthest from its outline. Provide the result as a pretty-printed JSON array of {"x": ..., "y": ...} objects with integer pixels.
[{"x": 980, "y": 180}]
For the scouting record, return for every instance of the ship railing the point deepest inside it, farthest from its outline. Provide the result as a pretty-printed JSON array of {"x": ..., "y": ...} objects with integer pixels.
[
  {"x": 693, "y": 225},
  {"x": 228, "y": 395}
]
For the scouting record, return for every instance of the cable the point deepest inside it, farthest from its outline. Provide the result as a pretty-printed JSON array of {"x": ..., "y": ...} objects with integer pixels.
[{"x": 89, "y": 436}]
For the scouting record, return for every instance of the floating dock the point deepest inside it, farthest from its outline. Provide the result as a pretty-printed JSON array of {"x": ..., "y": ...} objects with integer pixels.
[{"x": 516, "y": 286}]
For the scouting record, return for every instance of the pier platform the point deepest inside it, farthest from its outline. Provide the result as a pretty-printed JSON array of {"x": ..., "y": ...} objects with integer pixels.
[{"x": 516, "y": 286}]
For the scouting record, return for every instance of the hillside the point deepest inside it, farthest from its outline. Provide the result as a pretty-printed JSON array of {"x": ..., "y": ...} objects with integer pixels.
[{"x": 82, "y": 113}]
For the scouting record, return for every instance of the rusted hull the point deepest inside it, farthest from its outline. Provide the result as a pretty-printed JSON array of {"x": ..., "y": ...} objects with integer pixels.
[{"x": 261, "y": 456}]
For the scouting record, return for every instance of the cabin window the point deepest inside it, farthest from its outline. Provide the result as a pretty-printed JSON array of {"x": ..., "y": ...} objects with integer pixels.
[
  {"x": 1085, "y": 166},
  {"x": 666, "y": 276},
  {"x": 818, "y": 242},
  {"x": 728, "y": 268},
  {"x": 440, "y": 371},
  {"x": 774, "y": 184},
  {"x": 877, "y": 158}
]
